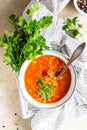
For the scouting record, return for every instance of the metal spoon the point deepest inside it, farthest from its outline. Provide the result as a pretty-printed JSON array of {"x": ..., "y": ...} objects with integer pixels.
[{"x": 75, "y": 54}]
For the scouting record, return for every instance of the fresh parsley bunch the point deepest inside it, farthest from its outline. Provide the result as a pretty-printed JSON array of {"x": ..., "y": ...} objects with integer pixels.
[
  {"x": 26, "y": 41},
  {"x": 74, "y": 26}
]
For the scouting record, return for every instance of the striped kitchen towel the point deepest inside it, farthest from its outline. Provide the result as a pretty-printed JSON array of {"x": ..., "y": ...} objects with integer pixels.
[{"x": 76, "y": 106}]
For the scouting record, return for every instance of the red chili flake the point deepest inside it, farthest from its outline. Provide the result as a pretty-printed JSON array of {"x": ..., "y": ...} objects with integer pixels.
[{"x": 44, "y": 73}]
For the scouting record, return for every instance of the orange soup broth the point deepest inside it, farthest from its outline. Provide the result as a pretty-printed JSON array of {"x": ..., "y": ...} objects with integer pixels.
[{"x": 47, "y": 67}]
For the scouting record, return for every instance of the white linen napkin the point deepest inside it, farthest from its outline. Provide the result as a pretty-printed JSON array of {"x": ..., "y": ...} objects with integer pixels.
[{"x": 76, "y": 106}]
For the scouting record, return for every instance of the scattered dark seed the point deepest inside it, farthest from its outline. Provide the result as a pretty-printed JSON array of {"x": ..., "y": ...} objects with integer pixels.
[
  {"x": 3, "y": 126},
  {"x": 17, "y": 129},
  {"x": 15, "y": 114}
]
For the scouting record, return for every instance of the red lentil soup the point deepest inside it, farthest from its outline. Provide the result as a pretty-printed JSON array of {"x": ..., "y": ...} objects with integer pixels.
[{"x": 47, "y": 67}]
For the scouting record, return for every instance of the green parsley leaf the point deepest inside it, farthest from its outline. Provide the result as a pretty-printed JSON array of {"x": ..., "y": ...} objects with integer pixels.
[
  {"x": 43, "y": 94},
  {"x": 45, "y": 89},
  {"x": 21, "y": 21},
  {"x": 40, "y": 82},
  {"x": 74, "y": 26},
  {"x": 32, "y": 9},
  {"x": 13, "y": 20},
  {"x": 45, "y": 21}
]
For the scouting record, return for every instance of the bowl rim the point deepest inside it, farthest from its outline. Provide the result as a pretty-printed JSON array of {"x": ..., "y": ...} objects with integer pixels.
[
  {"x": 77, "y": 8},
  {"x": 49, "y": 105}
]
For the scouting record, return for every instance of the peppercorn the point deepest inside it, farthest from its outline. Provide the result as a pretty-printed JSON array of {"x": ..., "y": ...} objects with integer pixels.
[{"x": 82, "y": 4}]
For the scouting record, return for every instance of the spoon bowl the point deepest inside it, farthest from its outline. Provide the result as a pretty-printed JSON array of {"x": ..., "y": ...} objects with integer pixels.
[{"x": 74, "y": 56}]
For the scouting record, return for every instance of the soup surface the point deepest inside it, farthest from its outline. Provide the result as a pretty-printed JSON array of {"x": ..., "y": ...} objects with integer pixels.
[{"x": 40, "y": 79}]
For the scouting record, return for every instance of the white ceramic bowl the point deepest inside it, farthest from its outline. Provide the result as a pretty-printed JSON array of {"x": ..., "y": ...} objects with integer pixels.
[
  {"x": 50, "y": 105},
  {"x": 78, "y": 9}
]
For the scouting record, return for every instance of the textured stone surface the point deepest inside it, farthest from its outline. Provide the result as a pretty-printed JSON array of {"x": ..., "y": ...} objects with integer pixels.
[{"x": 10, "y": 111}]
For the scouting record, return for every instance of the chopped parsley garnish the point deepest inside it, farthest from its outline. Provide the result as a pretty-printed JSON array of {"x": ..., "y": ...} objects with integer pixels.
[
  {"x": 44, "y": 89},
  {"x": 73, "y": 25}
]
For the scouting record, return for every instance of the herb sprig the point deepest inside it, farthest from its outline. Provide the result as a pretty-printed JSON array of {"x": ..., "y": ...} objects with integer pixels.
[
  {"x": 74, "y": 26},
  {"x": 26, "y": 41},
  {"x": 44, "y": 89}
]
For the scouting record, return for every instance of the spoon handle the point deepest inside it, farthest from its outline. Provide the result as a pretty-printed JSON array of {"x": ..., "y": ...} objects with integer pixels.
[{"x": 75, "y": 54}]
